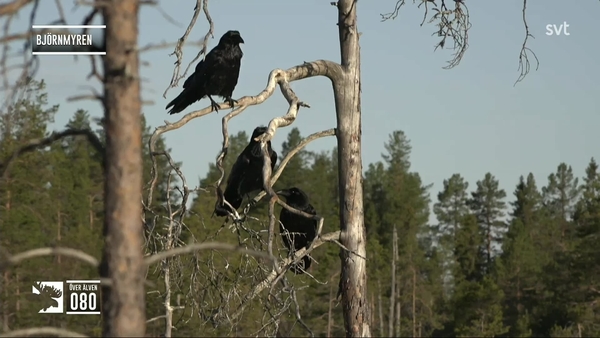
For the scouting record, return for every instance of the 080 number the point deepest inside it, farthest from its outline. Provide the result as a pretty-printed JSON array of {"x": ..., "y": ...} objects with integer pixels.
[{"x": 83, "y": 301}]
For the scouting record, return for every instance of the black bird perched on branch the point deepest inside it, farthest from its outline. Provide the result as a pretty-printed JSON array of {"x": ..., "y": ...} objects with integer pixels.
[
  {"x": 217, "y": 74},
  {"x": 246, "y": 173},
  {"x": 295, "y": 229}
]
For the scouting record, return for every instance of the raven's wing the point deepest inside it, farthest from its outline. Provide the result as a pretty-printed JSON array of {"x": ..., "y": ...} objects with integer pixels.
[
  {"x": 234, "y": 181},
  {"x": 189, "y": 82},
  {"x": 200, "y": 71},
  {"x": 286, "y": 222},
  {"x": 273, "y": 159},
  {"x": 211, "y": 72},
  {"x": 193, "y": 89},
  {"x": 311, "y": 228},
  {"x": 231, "y": 71}
]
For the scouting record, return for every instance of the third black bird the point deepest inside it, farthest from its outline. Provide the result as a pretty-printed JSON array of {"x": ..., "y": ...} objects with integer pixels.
[
  {"x": 294, "y": 229},
  {"x": 217, "y": 74},
  {"x": 246, "y": 173}
]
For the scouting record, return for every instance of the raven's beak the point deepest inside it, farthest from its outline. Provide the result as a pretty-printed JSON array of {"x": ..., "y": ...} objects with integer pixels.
[
  {"x": 283, "y": 193},
  {"x": 241, "y": 40}
]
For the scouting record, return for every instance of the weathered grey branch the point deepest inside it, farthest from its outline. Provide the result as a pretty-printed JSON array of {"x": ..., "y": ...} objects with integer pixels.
[
  {"x": 274, "y": 274},
  {"x": 178, "y": 52},
  {"x": 204, "y": 246},
  {"x": 166, "y": 266},
  {"x": 13, "y": 7},
  {"x": 209, "y": 34},
  {"x": 289, "y": 156},
  {"x": 158, "y": 46},
  {"x": 279, "y": 77},
  {"x": 40, "y": 252},
  {"x": 42, "y": 331}
]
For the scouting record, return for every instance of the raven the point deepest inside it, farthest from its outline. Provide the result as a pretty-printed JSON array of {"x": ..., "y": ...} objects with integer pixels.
[
  {"x": 246, "y": 173},
  {"x": 217, "y": 74},
  {"x": 297, "y": 229}
]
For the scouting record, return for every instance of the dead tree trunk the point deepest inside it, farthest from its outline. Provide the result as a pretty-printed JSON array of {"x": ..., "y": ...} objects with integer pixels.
[
  {"x": 122, "y": 263},
  {"x": 398, "y": 326},
  {"x": 380, "y": 307},
  {"x": 391, "y": 324},
  {"x": 353, "y": 235},
  {"x": 330, "y": 312},
  {"x": 414, "y": 301}
]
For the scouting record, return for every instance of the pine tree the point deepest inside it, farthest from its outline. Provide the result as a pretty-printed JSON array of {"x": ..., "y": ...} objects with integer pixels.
[
  {"x": 487, "y": 204},
  {"x": 522, "y": 259},
  {"x": 560, "y": 196},
  {"x": 583, "y": 259},
  {"x": 451, "y": 210}
]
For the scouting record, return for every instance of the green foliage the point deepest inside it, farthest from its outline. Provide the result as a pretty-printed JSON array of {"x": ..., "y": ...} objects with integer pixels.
[{"x": 488, "y": 267}]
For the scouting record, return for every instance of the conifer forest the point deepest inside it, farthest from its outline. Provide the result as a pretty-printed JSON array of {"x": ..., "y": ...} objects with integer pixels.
[
  {"x": 102, "y": 198},
  {"x": 499, "y": 263}
]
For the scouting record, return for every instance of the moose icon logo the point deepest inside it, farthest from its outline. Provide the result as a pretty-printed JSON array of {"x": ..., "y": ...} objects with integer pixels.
[{"x": 49, "y": 296}]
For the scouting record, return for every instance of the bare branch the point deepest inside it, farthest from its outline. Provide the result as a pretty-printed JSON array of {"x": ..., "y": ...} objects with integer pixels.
[
  {"x": 13, "y": 7},
  {"x": 200, "y": 4},
  {"x": 274, "y": 274},
  {"x": 41, "y": 331},
  {"x": 204, "y": 246},
  {"x": 452, "y": 23},
  {"x": 221, "y": 157},
  {"x": 40, "y": 252},
  {"x": 210, "y": 33},
  {"x": 275, "y": 123},
  {"x": 170, "y": 240},
  {"x": 276, "y": 77},
  {"x": 272, "y": 221},
  {"x": 290, "y": 155},
  {"x": 157, "y": 46},
  {"x": 524, "y": 64},
  {"x": 85, "y": 97},
  {"x": 39, "y": 143}
]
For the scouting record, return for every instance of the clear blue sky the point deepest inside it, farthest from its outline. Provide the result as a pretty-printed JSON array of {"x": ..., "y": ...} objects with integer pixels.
[{"x": 468, "y": 120}]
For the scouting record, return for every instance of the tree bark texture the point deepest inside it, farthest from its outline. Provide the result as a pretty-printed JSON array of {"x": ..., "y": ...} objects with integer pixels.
[
  {"x": 391, "y": 324},
  {"x": 123, "y": 301},
  {"x": 353, "y": 281}
]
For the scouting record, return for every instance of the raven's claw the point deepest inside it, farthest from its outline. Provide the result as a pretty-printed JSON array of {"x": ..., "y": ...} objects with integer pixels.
[
  {"x": 213, "y": 104},
  {"x": 231, "y": 101}
]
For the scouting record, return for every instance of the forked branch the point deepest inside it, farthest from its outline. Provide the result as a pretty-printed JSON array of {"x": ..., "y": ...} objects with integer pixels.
[
  {"x": 279, "y": 77},
  {"x": 453, "y": 23},
  {"x": 204, "y": 246},
  {"x": 41, "y": 252},
  {"x": 289, "y": 156},
  {"x": 178, "y": 52},
  {"x": 267, "y": 282},
  {"x": 524, "y": 64}
]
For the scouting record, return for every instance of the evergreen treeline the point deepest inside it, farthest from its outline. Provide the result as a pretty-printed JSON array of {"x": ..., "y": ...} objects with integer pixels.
[{"x": 494, "y": 265}]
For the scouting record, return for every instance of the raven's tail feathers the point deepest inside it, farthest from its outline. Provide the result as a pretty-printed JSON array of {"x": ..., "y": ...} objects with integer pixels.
[
  {"x": 182, "y": 101},
  {"x": 302, "y": 266},
  {"x": 222, "y": 210}
]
